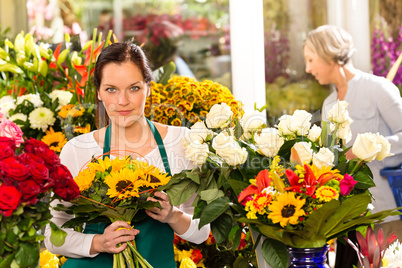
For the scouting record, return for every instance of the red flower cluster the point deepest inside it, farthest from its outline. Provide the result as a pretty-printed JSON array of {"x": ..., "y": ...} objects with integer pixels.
[{"x": 30, "y": 175}]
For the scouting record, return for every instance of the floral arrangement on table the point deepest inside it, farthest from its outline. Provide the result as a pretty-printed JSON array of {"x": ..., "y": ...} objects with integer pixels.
[
  {"x": 291, "y": 183},
  {"x": 29, "y": 172},
  {"x": 49, "y": 94},
  {"x": 113, "y": 190},
  {"x": 211, "y": 254},
  {"x": 184, "y": 101}
]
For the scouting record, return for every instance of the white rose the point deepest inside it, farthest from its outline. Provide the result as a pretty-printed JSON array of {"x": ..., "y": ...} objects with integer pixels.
[
  {"x": 228, "y": 148},
  {"x": 196, "y": 152},
  {"x": 304, "y": 151},
  {"x": 233, "y": 154},
  {"x": 366, "y": 146},
  {"x": 324, "y": 157},
  {"x": 18, "y": 116},
  {"x": 268, "y": 142},
  {"x": 199, "y": 133},
  {"x": 284, "y": 125},
  {"x": 32, "y": 98},
  {"x": 344, "y": 131},
  {"x": 385, "y": 148},
  {"x": 339, "y": 113},
  {"x": 63, "y": 96},
  {"x": 314, "y": 133},
  {"x": 219, "y": 116},
  {"x": 253, "y": 121},
  {"x": 300, "y": 123}
]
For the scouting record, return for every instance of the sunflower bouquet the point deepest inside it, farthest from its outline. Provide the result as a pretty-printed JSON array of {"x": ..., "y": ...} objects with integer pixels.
[
  {"x": 115, "y": 190},
  {"x": 184, "y": 101},
  {"x": 291, "y": 183}
]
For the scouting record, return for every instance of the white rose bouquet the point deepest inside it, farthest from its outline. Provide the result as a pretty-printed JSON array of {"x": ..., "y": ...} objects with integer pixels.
[{"x": 292, "y": 183}]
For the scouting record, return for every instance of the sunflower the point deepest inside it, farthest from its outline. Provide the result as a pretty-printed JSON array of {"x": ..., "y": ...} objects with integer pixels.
[
  {"x": 115, "y": 164},
  {"x": 286, "y": 209},
  {"x": 85, "y": 178},
  {"x": 55, "y": 140},
  {"x": 156, "y": 177},
  {"x": 176, "y": 122},
  {"x": 326, "y": 193},
  {"x": 123, "y": 183}
]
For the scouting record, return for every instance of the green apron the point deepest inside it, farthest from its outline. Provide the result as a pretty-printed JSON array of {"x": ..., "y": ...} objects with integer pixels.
[{"x": 155, "y": 240}]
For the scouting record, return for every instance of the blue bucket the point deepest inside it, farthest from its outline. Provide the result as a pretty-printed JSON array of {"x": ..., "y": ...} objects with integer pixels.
[{"x": 395, "y": 181}]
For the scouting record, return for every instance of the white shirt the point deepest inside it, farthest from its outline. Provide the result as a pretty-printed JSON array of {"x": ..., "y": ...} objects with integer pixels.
[{"x": 78, "y": 152}]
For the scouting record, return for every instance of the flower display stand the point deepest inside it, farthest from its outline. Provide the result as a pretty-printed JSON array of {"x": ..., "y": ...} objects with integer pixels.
[{"x": 395, "y": 182}]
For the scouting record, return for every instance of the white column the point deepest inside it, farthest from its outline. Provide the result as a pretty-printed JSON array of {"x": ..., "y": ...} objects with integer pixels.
[
  {"x": 358, "y": 25},
  {"x": 353, "y": 16},
  {"x": 118, "y": 19},
  {"x": 247, "y": 52}
]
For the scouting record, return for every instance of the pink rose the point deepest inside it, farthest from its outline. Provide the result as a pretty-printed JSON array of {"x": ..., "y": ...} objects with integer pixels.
[
  {"x": 10, "y": 130},
  {"x": 347, "y": 184},
  {"x": 2, "y": 116}
]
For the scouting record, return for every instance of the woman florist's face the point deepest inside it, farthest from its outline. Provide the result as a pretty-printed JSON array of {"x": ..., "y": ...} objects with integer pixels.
[
  {"x": 315, "y": 65},
  {"x": 123, "y": 92}
]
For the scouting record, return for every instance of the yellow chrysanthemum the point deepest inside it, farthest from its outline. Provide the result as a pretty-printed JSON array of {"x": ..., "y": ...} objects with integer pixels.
[
  {"x": 325, "y": 169},
  {"x": 82, "y": 130},
  {"x": 85, "y": 178},
  {"x": 286, "y": 209},
  {"x": 326, "y": 193},
  {"x": 55, "y": 140},
  {"x": 176, "y": 122},
  {"x": 48, "y": 260},
  {"x": 123, "y": 183},
  {"x": 259, "y": 205}
]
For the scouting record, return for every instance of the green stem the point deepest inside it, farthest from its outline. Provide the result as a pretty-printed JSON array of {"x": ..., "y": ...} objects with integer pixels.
[
  {"x": 115, "y": 261},
  {"x": 356, "y": 166},
  {"x": 128, "y": 258},
  {"x": 137, "y": 256}
]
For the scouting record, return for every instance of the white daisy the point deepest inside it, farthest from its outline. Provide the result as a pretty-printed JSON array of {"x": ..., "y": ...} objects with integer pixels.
[
  {"x": 7, "y": 103},
  {"x": 393, "y": 255},
  {"x": 19, "y": 116},
  {"x": 41, "y": 118},
  {"x": 63, "y": 96},
  {"x": 32, "y": 98}
]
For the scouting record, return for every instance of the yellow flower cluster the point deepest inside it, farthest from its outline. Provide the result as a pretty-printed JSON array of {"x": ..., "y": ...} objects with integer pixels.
[
  {"x": 184, "y": 101},
  {"x": 124, "y": 177},
  {"x": 48, "y": 260}
]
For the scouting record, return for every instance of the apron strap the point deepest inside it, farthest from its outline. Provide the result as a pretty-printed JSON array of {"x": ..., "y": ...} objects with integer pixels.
[
  {"x": 161, "y": 146},
  {"x": 157, "y": 136}
]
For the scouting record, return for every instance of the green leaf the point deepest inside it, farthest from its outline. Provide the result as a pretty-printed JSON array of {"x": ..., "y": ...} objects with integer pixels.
[
  {"x": 6, "y": 263},
  {"x": 182, "y": 191},
  {"x": 25, "y": 223},
  {"x": 240, "y": 262},
  {"x": 194, "y": 176},
  {"x": 57, "y": 236},
  {"x": 237, "y": 236},
  {"x": 211, "y": 195},
  {"x": 213, "y": 210},
  {"x": 318, "y": 218},
  {"x": 163, "y": 74},
  {"x": 221, "y": 227},
  {"x": 27, "y": 255},
  {"x": 275, "y": 253},
  {"x": 238, "y": 186},
  {"x": 364, "y": 180}
]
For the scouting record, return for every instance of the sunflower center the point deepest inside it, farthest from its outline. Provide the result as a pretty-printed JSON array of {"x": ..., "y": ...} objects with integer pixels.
[
  {"x": 154, "y": 179},
  {"x": 124, "y": 185},
  {"x": 288, "y": 211},
  {"x": 54, "y": 144}
]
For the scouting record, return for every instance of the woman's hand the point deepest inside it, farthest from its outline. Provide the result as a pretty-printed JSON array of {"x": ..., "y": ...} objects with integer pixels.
[
  {"x": 112, "y": 236},
  {"x": 163, "y": 214}
]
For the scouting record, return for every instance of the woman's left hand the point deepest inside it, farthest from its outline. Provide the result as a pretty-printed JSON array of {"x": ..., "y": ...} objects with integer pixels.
[{"x": 163, "y": 214}]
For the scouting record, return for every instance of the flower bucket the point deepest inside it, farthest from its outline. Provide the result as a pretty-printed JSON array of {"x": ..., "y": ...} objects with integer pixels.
[{"x": 395, "y": 182}]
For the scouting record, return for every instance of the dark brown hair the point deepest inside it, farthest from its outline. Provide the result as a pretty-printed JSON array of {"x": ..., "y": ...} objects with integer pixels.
[{"x": 118, "y": 53}]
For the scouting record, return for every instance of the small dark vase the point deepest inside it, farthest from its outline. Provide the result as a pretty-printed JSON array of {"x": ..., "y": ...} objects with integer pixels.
[{"x": 308, "y": 257}]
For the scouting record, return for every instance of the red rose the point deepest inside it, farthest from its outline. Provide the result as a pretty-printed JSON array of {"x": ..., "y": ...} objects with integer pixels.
[
  {"x": 29, "y": 188},
  {"x": 27, "y": 158},
  {"x": 41, "y": 149},
  {"x": 12, "y": 169},
  {"x": 7, "y": 147},
  {"x": 69, "y": 191},
  {"x": 59, "y": 176},
  {"x": 39, "y": 172},
  {"x": 10, "y": 198},
  {"x": 196, "y": 255}
]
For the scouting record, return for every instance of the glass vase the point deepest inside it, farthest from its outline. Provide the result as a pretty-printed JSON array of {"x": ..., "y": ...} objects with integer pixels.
[{"x": 308, "y": 257}]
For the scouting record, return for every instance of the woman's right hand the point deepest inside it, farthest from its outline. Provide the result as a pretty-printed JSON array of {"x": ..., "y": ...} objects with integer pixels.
[{"x": 112, "y": 236}]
